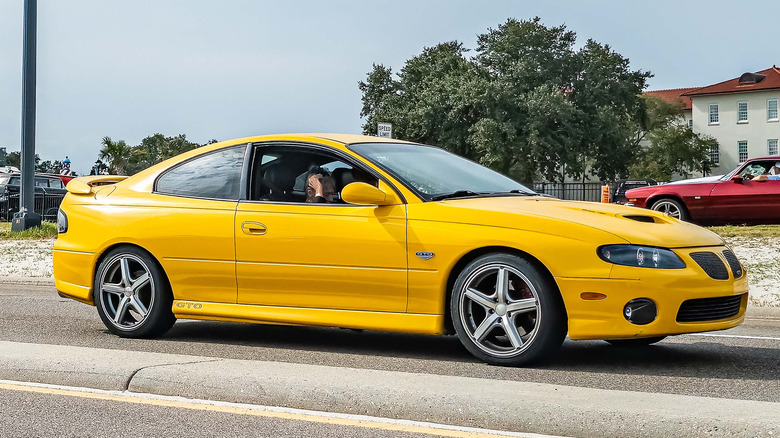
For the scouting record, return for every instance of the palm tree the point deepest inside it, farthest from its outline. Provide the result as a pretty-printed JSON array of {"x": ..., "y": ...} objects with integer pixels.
[{"x": 116, "y": 154}]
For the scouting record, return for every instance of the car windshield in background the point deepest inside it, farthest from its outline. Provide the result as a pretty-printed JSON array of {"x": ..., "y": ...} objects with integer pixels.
[{"x": 435, "y": 173}]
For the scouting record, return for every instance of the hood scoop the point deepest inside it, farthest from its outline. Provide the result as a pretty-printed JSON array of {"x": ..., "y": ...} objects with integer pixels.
[{"x": 640, "y": 218}]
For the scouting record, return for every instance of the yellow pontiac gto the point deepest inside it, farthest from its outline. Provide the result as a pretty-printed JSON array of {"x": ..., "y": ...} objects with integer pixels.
[{"x": 405, "y": 237}]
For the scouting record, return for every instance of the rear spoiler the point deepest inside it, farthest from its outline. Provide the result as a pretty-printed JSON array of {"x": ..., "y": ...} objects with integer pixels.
[{"x": 85, "y": 185}]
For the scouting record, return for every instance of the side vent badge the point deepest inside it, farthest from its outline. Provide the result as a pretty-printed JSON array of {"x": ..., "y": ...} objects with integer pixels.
[{"x": 425, "y": 255}]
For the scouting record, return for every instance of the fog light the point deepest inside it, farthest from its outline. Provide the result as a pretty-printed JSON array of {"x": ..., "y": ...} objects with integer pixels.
[{"x": 640, "y": 311}]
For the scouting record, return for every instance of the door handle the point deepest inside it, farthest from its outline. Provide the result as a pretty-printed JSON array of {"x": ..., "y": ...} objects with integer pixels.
[{"x": 253, "y": 228}]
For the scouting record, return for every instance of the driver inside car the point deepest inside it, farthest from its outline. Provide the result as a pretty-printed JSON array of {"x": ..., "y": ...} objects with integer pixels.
[
  {"x": 774, "y": 175},
  {"x": 320, "y": 186}
]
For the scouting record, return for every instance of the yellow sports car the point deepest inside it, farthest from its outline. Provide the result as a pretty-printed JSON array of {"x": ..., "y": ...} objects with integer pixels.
[{"x": 370, "y": 233}]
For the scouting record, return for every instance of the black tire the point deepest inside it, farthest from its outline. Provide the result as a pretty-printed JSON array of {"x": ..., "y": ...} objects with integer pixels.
[
  {"x": 130, "y": 283},
  {"x": 638, "y": 342},
  {"x": 672, "y": 207},
  {"x": 530, "y": 302}
]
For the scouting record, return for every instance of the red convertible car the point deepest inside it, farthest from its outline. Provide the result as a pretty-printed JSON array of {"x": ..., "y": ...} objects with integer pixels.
[{"x": 742, "y": 196}]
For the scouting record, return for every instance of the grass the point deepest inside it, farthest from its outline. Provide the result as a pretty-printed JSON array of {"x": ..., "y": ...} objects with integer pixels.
[
  {"x": 755, "y": 231},
  {"x": 47, "y": 230}
]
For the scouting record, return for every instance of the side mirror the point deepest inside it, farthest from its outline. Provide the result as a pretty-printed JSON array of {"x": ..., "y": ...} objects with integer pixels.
[
  {"x": 737, "y": 179},
  {"x": 365, "y": 194}
]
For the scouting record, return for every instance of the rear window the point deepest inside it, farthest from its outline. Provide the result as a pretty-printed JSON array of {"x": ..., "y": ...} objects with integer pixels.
[{"x": 214, "y": 175}]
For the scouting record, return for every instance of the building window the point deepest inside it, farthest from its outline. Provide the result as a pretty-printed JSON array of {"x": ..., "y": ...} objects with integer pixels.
[
  {"x": 743, "y": 154},
  {"x": 771, "y": 110},
  {"x": 742, "y": 113},
  {"x": 771, "y": 146},
  {"x": 690, "y": 123},
  {"x": 714, "y": 114},
  {"x": 715, "y": 155}
]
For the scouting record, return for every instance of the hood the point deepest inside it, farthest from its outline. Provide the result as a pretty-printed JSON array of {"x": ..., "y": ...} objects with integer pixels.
[
  {"x": 571, "y": 218},
  {"x": 706, "y": 179}
]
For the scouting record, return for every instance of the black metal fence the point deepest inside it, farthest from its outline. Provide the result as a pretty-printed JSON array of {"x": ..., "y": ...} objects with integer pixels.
[
  {"x": 573, "y": 191},
  {"x": 46, "y": 204}
]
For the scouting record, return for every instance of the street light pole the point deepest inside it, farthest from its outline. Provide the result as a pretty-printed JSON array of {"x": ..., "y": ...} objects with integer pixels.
[{"x": 27, "y": 217}]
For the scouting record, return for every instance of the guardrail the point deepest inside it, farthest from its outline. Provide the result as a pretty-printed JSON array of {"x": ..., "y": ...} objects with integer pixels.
[
  {"x": 571, "y": 191},
  {"x": 46, "y": 204}
]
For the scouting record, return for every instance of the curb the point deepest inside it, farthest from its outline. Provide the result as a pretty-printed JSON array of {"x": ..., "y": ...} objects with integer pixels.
[
  {"x": 32, "y": 281},
  {"x": 462, "y": 401}
]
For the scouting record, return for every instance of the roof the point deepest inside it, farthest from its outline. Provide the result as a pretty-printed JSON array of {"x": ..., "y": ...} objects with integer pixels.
[
  {"x": 768, "y": 79},
  {"x": 673, "y": 96}
]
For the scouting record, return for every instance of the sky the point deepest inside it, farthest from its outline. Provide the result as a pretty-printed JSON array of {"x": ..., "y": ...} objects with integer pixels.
[{"x": 234, "y": 68}]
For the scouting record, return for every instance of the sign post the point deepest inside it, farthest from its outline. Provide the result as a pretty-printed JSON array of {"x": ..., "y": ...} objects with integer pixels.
[{"x": 384, "y": 130}]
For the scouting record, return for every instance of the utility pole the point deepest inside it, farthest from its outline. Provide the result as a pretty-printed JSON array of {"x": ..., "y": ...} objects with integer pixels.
[{"x": 26, "y": 217}]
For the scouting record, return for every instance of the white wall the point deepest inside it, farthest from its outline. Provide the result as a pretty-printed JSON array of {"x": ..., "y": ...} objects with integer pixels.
[{"x": 728, "y": 132}]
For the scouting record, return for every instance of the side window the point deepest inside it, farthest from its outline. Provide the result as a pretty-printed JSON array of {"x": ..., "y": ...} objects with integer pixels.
[
  {"x": 214, "y": 175},
  {"x": 281, "y": 174}
]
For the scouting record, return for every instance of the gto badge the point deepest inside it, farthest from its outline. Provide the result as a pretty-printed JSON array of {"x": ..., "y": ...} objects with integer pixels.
[{"x": 425, "y": 255}]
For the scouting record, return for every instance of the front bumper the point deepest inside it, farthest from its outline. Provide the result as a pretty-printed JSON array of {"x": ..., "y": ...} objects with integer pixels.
[{"x": 667, "y": 288}]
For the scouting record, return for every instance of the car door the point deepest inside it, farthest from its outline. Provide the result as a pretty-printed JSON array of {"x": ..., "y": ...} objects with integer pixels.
[
  {"x": 188, "y": 224},
  {"x": 746, "y": 200},
  {"x": 313, "y": 255}
]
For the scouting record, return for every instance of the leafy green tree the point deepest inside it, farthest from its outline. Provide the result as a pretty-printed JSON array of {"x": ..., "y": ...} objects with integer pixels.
[
  {"x": 667, "y": 146},
  {"x": 49, "y": 166},
  {"x": 14, "y": 159},
  {"x": 674, "y": 150},
  {"x": 123, "y": 159},
  {"x": 526, "y": 104}
]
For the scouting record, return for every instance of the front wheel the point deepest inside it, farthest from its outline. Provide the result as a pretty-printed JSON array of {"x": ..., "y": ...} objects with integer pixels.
[
  {"x": 507, "y": 312},
  {"x": 132, "y": 296},
  {"x": 671, "y": 207}
]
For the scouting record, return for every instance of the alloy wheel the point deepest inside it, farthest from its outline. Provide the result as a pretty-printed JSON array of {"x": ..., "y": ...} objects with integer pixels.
[
  {"x": 127, "y": 291},
  {"x": 668, "y": 207},
  {"x": 500, "y": 310}
]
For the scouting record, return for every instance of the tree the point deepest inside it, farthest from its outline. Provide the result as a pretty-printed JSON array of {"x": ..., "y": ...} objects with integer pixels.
[
  {"x": 123, "y": 159},
  {"x": 673, "y": 149},
  {"x": 14, "y": 159},
  {"x": 526, "y": 104},
  {"x": 49, "y": 166}
]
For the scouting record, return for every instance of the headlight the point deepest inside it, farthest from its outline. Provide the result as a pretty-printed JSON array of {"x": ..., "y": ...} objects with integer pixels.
[
  {"x": 62, "y": 222},
  {"x": 640, "y": 256}
]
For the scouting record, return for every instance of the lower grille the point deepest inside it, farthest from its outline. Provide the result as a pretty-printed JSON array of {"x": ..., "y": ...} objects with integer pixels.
[
  {"x": 710, "y": 309},
  {"x": 712, "y": 264}
]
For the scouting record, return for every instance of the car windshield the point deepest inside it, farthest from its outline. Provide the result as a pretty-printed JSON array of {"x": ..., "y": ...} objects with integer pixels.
[
  {"x": 434, "y": 173},
  {"x": 728, "y": 176}
]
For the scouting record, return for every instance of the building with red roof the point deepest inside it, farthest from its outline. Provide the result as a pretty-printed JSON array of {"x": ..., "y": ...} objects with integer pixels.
[{"x": 741, "y": 113}]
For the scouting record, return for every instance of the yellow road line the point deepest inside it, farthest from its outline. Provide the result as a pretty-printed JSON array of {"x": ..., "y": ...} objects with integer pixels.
[{"x": 262, "y": 411}]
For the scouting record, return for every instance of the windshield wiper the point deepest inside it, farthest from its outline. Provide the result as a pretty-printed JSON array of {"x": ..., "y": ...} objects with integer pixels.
[{"x": 456, "y": 194}]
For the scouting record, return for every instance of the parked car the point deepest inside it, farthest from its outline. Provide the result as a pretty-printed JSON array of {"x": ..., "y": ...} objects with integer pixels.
[
  {"x": 418, "y": 240},
  {"x": 733, "y": 198},
  {"x": 49, "y": 191},
  {"x": 619, "y": 188}
]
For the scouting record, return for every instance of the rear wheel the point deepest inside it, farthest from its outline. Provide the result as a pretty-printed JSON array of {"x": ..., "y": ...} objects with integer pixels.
[
  {"x": 638, "y": 342},
  {"x": 132, "y": 296},
  {"x": 671, "y": 207},
  {"x": 506, "y": 312}
]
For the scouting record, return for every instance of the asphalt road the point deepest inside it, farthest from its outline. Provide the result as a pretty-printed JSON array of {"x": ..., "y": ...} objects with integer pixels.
[
  {"x": 715, "y": 366},
  {"x": 47, "y": 415},
  {"x": 741, "y": 364}
]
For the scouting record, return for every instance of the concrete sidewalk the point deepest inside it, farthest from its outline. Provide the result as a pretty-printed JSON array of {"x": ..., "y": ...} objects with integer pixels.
[{"x": 484, "y": 403}]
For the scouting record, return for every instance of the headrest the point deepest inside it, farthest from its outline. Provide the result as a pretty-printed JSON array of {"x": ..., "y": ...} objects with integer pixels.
[{"x": 280, "y": 177}]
